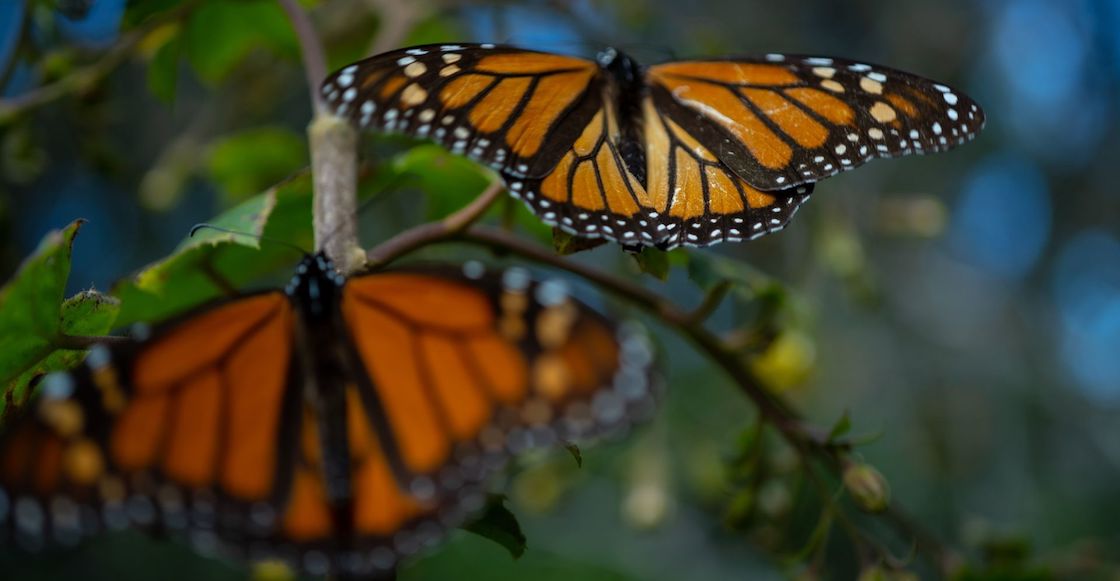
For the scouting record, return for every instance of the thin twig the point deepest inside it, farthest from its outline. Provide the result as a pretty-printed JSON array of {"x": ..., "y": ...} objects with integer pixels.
[
  {"x": 82, "y": 342},
  {"x": 398, "y": 18},
  {"x": 314, "y": 63},
  {"x": 450, "y": 226},
  {"x": 945, "y": 558},
  {"x": 88, "y": 76},
  {"x": 711, "y": 302}
]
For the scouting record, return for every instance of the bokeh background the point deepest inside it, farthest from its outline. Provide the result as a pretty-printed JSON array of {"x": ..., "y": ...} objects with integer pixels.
[{"x": 963, "y": 308}]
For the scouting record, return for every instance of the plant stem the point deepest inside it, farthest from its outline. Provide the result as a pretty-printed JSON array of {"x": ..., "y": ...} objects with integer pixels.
[
  {"x": 450, "y": 226},
  {"x": 334, "y": 158},
  {"x": 82, "y": 342},
  {"x": 88, "y": 76},
  {"x": 334, "y": 167},
  {"x": 311, "y": 49}
]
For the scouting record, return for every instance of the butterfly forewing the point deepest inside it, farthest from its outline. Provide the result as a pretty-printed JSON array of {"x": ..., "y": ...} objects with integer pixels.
[
  {"x": 779, "y": 120},
  {"x": 511, "y": 109}
]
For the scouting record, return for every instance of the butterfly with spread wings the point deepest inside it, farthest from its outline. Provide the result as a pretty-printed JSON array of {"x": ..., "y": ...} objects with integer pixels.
[
  {"x": 340, "y": 424},
  {"x": 681, "y": 153}
]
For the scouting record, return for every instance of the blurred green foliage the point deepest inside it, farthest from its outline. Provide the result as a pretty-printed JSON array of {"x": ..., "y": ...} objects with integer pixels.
[
  {"x": 219, "y": 33},
  {"x": 249, "y": 161}
]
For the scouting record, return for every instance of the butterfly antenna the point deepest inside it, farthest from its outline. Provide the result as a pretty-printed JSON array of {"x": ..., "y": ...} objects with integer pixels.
[{"x": 205, "y": 226}]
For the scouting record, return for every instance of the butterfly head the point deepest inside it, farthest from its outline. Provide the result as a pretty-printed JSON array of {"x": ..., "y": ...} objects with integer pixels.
[
  {"x": 619, "y": 64},
  {"x": 315, "y": 282}
]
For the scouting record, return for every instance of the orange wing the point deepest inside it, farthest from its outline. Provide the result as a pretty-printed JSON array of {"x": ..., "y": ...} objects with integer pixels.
[
  {"x": 779, "y": 121},
  {"x": 514, "y": 110},
  {"x": 186, "y": 429},
  {"x": 691, "y": 197},
  {"x": 464, "y": 371}
]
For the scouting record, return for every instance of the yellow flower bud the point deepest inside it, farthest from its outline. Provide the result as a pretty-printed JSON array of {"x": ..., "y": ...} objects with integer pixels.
[{"x": 867, "y": 487}]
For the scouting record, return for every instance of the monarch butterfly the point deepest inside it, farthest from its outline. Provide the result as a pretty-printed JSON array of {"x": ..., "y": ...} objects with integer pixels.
[
  {"x": 338, "y": 424},
  {"x": 685, "y": 152}
]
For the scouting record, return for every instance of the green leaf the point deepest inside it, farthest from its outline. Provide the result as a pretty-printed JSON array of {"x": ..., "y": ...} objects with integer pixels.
[
  {"x": 740, "y": 509},
  {"x": 467, "y": 556},
  {"x": 707, "y": 270},
  {"x": 565, "y": 244},
  {"x": 163, "y": 70},
  {"x": 245, "y": 163},
  {"x": 30, "y": 303},
  {"x": 817, "y": 540},
  {"x": 33, "y": 315},
  {"x": 748, "y": 284},
  {"x": 88, "y": 313},
  {"x": 653, "y": 262},
  {"x": 500, "y": 525},
  {"x": 575, "y": 452},
  {"x": 842, "y": 426},
  {"x": 138, "y": 12},
  {"x": 212, "y": 263},
  {"x": 220, "y": 33}
]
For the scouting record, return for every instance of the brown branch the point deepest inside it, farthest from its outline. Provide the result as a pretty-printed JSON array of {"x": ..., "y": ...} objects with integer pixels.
[
  {"x": 334, "y": 168},
  {"x": 449, "y": 227},
  {"x": 711, "y": 302},
  {"x": 398, "y": 18},
  {"x": 311, "y": 49},
  {"x": 334, "y": 158},
  {"x": 82, "y": 342}
]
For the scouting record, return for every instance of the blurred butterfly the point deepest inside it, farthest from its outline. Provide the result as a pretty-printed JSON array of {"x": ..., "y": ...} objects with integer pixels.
[
  {"x": 339, "y": 424},
  {"x": 685, "y": 152}
]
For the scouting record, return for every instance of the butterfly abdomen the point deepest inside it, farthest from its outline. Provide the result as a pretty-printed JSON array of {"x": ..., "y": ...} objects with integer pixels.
[{"x": 628, "y": 91}]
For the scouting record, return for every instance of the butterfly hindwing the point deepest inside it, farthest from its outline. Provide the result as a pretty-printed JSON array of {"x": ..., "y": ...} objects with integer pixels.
[
  {"x": 784, "y": 120},
  {"x": 185, "y": 431},
  {"x": 466, "y": 370},
  {"x": 691, "y": 197},
  {"x": 511, "y": 109}
]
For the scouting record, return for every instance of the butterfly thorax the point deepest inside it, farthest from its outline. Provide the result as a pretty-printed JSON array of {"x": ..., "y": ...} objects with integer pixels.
[
  {"x": 628, "y": 90},
  {"x": 316, "y": 286}
]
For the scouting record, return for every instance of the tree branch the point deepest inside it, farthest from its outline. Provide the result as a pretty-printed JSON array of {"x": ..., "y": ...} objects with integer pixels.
[
  {"x": 334, "y": 158},
  {"x": 334, "y": 168},
  {"x": 82, "y": 342},
  {"x": 398, "y": 17},
  {"x": 712, "y": 300},
  {"x": 311, "y": 49},
  {"x": 450, "y": 226}
]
